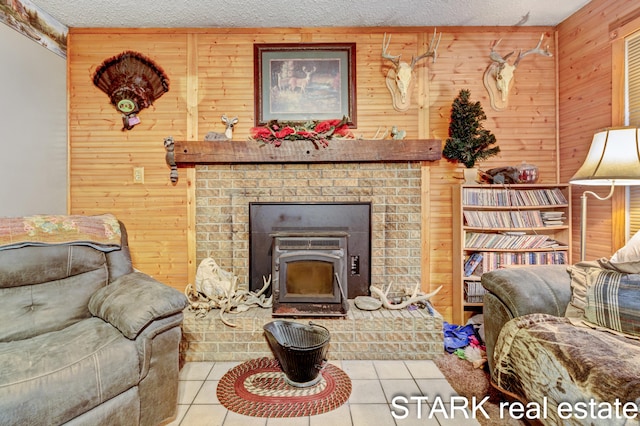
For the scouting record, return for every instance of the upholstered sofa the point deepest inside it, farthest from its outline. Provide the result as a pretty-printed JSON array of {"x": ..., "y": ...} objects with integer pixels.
[
  {"x": 84, "y": 338},
  {"x": 564, "y": 339}
]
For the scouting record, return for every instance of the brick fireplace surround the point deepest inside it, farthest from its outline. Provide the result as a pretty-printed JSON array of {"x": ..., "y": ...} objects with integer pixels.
[{"x": 223, "y": 194}]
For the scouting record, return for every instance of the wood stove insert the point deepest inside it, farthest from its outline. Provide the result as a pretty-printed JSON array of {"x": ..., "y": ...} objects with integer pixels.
[
  {"x": 309, "y": 273},
  {"x": 350, "y": 221}
]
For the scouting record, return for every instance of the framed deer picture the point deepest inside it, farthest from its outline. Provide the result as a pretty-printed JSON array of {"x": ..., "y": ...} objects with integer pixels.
[{"x": 298, "y": 82}]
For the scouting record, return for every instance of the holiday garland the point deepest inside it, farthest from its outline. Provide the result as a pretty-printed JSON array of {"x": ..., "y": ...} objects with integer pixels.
[{"x": 318, "y": 132}]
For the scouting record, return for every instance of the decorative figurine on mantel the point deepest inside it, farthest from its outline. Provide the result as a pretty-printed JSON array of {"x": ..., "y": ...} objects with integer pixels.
[
  {"x": 397, "y": 134},
  {"x": 228, "y": 131}
]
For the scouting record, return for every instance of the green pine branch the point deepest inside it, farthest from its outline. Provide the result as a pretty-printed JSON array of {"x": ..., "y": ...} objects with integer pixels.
[{"x": 468, "y": 141}]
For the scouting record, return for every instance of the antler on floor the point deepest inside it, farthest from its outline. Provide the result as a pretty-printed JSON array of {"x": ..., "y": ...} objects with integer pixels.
[{"x": 413, "y": 299}]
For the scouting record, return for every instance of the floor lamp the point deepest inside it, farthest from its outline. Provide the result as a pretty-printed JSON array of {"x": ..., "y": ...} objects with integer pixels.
[{"x": 613, "y": 159}]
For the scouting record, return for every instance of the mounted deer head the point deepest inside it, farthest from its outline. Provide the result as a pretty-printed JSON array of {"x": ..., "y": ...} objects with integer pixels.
[
  {"x": 399, "y": 78},
  {"x": 498, "y": 78}
]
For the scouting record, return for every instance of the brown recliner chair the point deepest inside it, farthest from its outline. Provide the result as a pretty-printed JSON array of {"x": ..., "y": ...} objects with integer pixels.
[{"x": 84, "y": 338}]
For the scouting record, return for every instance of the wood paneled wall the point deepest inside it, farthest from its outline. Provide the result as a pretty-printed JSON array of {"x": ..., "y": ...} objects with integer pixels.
[
  {"x": 211, "y": 73},
  {"x": 585, "y": 72}
]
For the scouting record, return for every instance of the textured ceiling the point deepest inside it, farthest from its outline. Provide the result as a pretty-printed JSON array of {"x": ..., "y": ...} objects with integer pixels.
[{"x": 307, "y": 13}]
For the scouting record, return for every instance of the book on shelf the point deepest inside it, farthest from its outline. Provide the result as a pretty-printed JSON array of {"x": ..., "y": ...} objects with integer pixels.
[
  {"x": 498, "y": 260},
  {"x": 553, "y": 222},
  {"x": 506, "y": 197},
  {"x": 504, "y": 219},
  {"x": 474, "y": 292},
  {"x": 508, "y": 240},
  {"x": 472, "y": 263},
  {"x": 553, "y": 218}
]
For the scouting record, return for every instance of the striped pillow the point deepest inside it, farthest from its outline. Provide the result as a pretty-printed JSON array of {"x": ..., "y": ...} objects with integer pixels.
[{"x": 613, "y": 300}]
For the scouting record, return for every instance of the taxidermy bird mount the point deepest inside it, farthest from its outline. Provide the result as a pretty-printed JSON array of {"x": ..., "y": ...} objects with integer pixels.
[{"x": 132, "y": 82}]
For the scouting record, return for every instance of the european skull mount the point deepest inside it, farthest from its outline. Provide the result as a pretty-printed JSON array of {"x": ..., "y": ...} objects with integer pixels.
[
  {"x": 499, "y": 76},
  {"x": 399, "y": 77}
]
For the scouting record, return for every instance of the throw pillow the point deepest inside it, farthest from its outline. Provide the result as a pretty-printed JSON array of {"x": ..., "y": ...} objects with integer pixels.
[
  {"x": 627, "y": 259},
  {"x": 613, "y": 300}
]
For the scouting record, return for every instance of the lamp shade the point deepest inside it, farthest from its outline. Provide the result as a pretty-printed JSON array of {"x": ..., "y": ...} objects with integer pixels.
[{"x": 613, "y": 158}]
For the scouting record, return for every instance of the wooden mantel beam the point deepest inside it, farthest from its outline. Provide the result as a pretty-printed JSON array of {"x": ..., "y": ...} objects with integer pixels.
[{"x": 302, "y": 151}]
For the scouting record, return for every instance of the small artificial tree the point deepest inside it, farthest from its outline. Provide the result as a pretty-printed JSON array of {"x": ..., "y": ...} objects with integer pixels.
[{"x": 468, "y": 141}]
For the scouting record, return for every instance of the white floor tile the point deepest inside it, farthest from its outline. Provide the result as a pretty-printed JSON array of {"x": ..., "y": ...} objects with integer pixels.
[
  {"x": 424, "y": 369},
  {"x": 235, "y": 419},
  {"x": 207, "y": 393},
  {"x": 359, "y": 369},
  {"x": 195, "y": 370},
  {"x": 366, "y": 392},
  {"x": 205, "y": 415},
  {"x": 341, "y": 416},
  {"x": 371, "y": 414},
  {"x": 187, "y": 390},
  {"x": 391, "y": 370},
  {"x": 436, "y": 389},
  {"x": 400, "y": 387}
]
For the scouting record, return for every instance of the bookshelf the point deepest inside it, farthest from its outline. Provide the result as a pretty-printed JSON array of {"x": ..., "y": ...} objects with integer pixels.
[{"x": 502, "y": 226}]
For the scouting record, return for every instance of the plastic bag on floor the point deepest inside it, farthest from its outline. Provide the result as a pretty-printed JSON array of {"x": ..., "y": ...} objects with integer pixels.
[{"x": 456, "y": 336}]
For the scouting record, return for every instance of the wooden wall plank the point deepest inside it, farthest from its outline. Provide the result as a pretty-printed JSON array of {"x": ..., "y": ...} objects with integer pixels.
[{"x": 585, "y": 98}]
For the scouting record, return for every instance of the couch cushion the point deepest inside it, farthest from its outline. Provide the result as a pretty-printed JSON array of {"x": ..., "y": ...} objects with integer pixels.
[
  {"x": 56, "y": 376},
  {"x": 30, "y": 310},
  {"x": 37, "y": 265}
]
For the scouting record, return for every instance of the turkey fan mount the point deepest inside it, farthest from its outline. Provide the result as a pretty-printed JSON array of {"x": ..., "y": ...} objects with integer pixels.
[{"x": 132, "y": 82}]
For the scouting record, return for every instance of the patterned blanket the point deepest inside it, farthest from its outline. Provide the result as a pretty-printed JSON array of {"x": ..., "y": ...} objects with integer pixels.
[
  {"x": 100, "y": 232},
  {"x": 548, "y": 360}
]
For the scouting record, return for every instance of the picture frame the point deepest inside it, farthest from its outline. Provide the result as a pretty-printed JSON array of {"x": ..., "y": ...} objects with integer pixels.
[{"x": 299, "y": 82}]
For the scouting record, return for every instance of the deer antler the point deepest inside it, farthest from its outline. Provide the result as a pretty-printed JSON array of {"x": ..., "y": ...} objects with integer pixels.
[
  {"x": 413, "y": 299},
  {"x": 496, "y": 57},
  {"x": 385, "y": 46},
  {"x": 431, "y": 50},
  {"x": 537, "y": 50}
]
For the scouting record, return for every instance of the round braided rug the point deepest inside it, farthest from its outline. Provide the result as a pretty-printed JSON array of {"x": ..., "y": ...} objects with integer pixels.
[{"x": 258, "y": 388}]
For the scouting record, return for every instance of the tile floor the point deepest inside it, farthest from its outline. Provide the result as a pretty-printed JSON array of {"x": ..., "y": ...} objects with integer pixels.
[{"x": 374, "y": 385}]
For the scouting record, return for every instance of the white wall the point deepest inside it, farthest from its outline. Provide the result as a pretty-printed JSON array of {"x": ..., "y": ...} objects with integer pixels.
[{"x": 33, "y": 127}]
